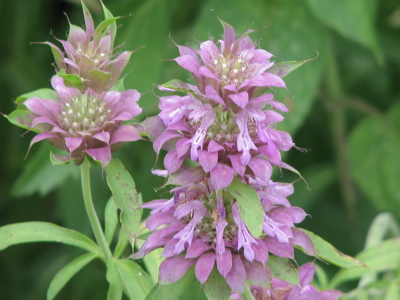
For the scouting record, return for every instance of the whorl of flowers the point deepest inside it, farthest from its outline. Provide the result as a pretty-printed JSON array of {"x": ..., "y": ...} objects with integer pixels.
[
  {"x": 90, "y": 54},
  {"x": 202, "y": 227},
  {"x": 221, "y": 122},
  {"x": 83, "y": 123}
]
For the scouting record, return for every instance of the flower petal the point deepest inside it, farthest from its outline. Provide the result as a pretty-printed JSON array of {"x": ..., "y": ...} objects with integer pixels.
[
  {"x": 204, "y": 266},
  {"x": 173, "y": 268}
]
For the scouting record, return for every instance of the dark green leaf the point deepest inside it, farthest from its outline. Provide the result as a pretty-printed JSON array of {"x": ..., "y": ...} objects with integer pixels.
[
  {"x": 282, "y": 268},
  {"x": 30, "y": 232},
  {"x": 352, "y": 19},
  {"x": 65, "y": 274},
  {"x": 121, "y": 243},
  {"x": 136, "y": 282},
  {"x": 125, "y": 196},
  {"x": 374, "y": 157},
  {"x": 250, "y": 207},
  {"x": 216, "y": 287},
  {"x": 327, "y": 252},
  {"x": 39, "y": 176}
]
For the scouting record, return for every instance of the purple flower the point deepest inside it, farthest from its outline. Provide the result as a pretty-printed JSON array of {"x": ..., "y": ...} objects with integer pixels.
[
  {"x": 222, "y": 122},
  {"x": 85, "y": 123},
  {"x": 197, "y": 227},
  {"x": 89, "y": 54},
  {"x": 282, "y": 290}
]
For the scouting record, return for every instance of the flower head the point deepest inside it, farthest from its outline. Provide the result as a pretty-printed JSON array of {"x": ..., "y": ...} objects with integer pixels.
[
  {"x": 198, "y": 226},
  {"x": 85, "y": 123},
  {"x": 225, "y": 122},
  {"x": 89, "y": 54}
]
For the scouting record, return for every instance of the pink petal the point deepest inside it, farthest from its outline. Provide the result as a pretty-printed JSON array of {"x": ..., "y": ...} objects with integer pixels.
[
  {"x": 172, "y": 162},
  {"x": 240, "y": 99},
  {"x": 173, "y": 268},
  {"x": 236, "y": 278},
  {"x": 204, "y": 266},
  {"x": 125, "y": 133},
  {"x": 207, "y": 160},
  {"x": 224, "y": 262},
  {"x": 100, "y": 154},
  {"x": 221, "y": 176},
  {"x": 73, "y": 143}
]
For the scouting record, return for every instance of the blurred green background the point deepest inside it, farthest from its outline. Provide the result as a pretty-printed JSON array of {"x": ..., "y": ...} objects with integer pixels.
[{"x": 345, "y": 110}]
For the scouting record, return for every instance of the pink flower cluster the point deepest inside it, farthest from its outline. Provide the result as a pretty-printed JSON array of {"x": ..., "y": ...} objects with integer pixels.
[
  {"x": 84, "y": 116},
  {"x": 226, "y": 123}
]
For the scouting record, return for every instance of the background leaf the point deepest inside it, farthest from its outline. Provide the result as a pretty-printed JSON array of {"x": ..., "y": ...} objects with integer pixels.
[
  {"x": 373, "y": 150},
  {"x": 283, "y": 269}
]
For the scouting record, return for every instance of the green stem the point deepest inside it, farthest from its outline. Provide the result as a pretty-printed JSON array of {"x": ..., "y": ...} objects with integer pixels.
[{"x": 90, "y": 210}]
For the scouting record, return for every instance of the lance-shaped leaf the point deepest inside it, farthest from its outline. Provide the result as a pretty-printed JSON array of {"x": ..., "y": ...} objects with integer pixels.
[
  {"x": 30, "y": 232},
  {"x": 284, "y": 68},
  {"x": 110, "y": 220},
  {"x": 250, "y": 208},
  {"x": 125, "y": 196},
  {"x": 66, "y": 273},
  {"x": 176, "y": 85},
  {"x": 282, "y": 268},
  {"x": 327, "y": 252}
]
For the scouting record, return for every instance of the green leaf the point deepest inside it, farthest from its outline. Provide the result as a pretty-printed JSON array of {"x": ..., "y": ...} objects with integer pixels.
[
  {"x": 250, "y": 207},
  {"x": 110, "y": 220},
  {"x": 66, "y": 273},
  {"x": 22, "y": 118},
  {"x": 327, "y": 252},
  {"x": 39, "y": 176},
  {"x": 393, "y": 291},
  {"x": 284, "y": 68},
  {"x": 103, "y": 26},
  {"x": 115, "y": 290},
  {"x": 290, "y": 33},
  {"x": 136, "y": 282},
  {"x": 381, "y": 226},
  {"x": 125, "y": 196},
  {"x": 282, "y": 268},
  {"x": 374, "y": 158},
  {"x": 175, "y": 290},
  {"x": 121, "y": 244},
  {"x": 40, "y": 93},
  {"x": 71, "y": 80},
  {"x": 100, "y": 77},
  {"x": 384, "y": 256},
  {"x": 216, "y": 287},
  {"x": 352, "y": 19},
  {"x": 30, "y": 232},
  {"x": 177, "y": 85}
]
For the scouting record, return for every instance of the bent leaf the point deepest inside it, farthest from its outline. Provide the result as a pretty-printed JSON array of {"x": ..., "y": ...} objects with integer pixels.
[
  {"x": 216, "y": 287},
  {"x": 136, "y": 282},
  {"x": 384, "y": 256},
  {"x": 284, "y": 68},
  {"x": 40, "y": 93},
  {"x": 327, "y": 252},
  {"x": 125, "y": 196},
  {"x": 250, "y": 208},
  {"x": 176, "y": 85},
  {"x": 30, "y": 232},
  {"x": 66, "y": 273}
]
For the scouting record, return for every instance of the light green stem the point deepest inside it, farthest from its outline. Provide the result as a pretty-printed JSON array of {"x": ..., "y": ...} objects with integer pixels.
[{"x": 90, "y": 210}]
